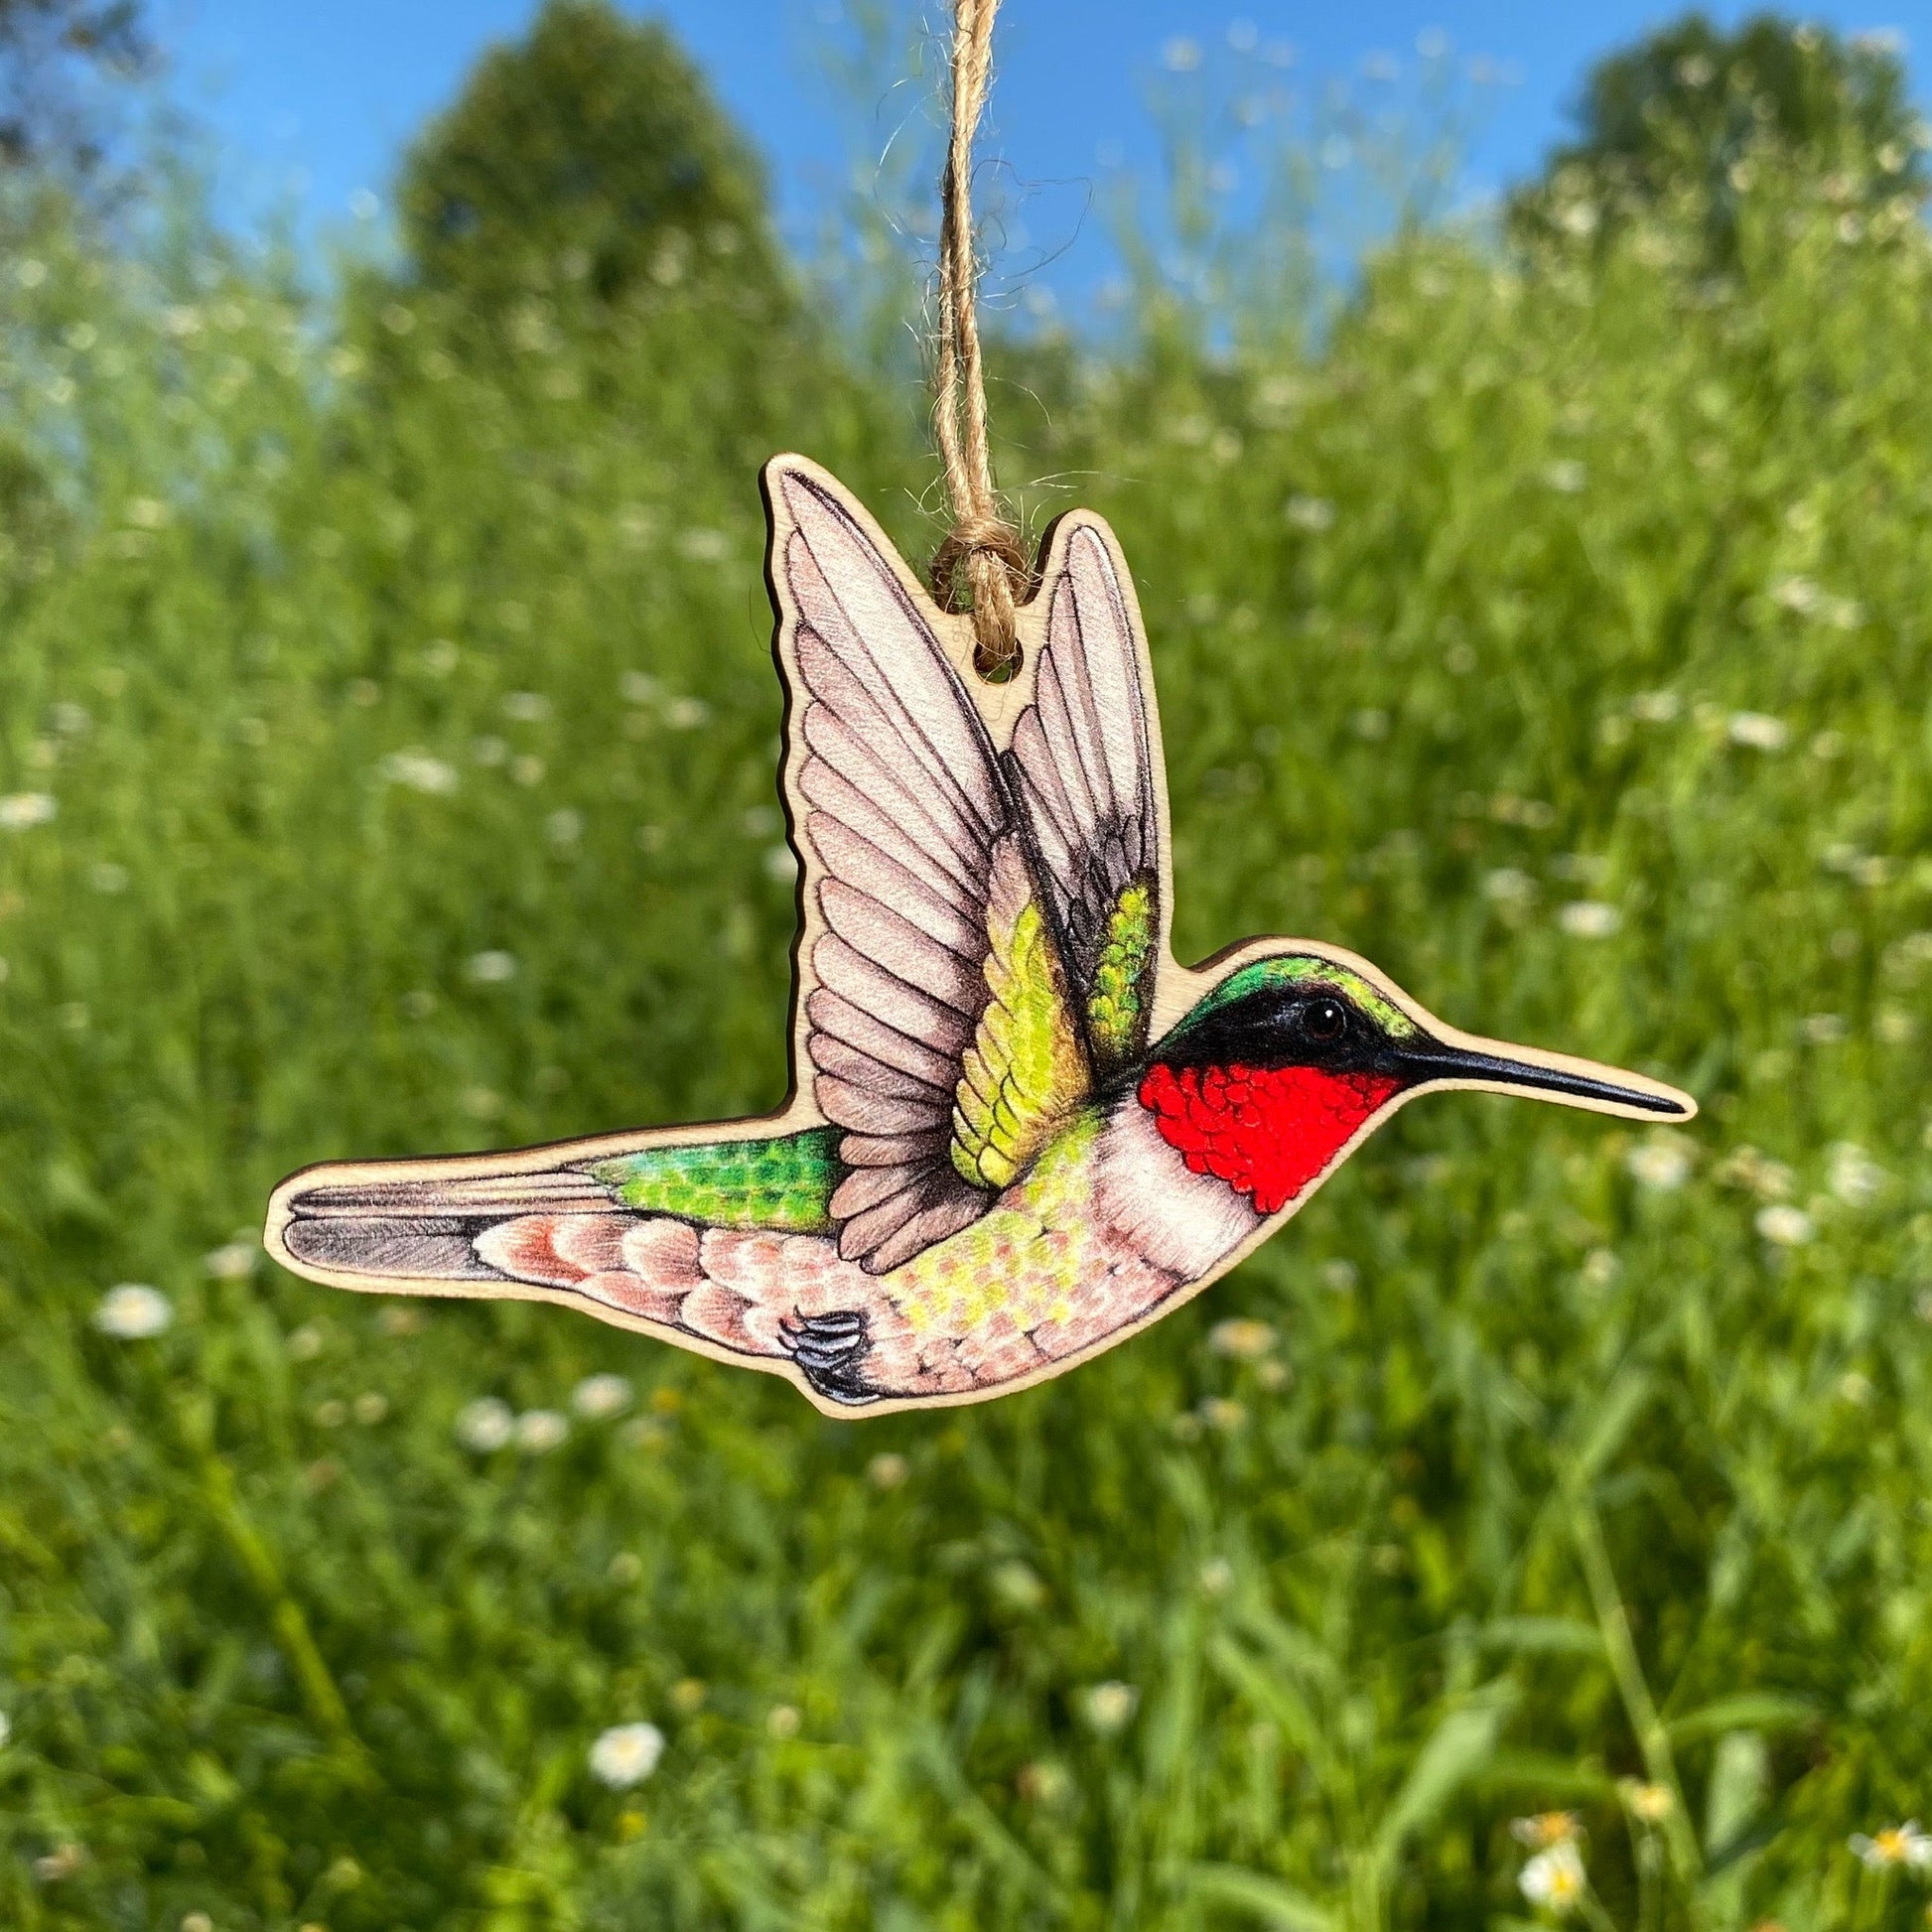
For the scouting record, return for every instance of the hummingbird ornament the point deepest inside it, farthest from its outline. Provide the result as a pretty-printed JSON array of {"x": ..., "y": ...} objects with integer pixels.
[{"x": 1020, "y": 1131}]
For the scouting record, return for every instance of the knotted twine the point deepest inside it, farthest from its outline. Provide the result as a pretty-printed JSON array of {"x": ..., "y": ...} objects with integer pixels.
[{"x": 982, "y": 547}]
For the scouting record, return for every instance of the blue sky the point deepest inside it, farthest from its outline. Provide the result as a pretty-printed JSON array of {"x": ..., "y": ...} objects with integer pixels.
[{"x": 314, "y": 103}]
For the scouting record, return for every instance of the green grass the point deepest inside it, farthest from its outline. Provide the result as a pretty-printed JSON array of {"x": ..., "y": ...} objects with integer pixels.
[{"x": 352, "y": 664}]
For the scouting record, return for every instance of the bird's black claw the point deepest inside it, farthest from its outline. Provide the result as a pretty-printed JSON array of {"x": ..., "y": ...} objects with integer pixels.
[{"x": 828, "y": 1349}]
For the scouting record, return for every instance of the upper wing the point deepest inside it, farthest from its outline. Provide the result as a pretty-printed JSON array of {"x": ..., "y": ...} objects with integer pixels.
[
  {"x": 935, "y": 938},
  {"x": 1085, "y": 769}
]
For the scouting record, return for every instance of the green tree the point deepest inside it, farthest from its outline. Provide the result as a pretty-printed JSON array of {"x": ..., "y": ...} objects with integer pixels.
[
  {"x": 589, "y": 155},
  {"x": 1688, "y": 110},
  {"x": 59, "y": 61}
]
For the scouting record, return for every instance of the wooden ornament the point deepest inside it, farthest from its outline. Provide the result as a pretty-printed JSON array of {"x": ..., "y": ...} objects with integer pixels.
[{"x": 1019, "y": 1132}]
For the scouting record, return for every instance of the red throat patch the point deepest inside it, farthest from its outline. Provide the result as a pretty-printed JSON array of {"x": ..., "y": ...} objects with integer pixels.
[{"x": 1268, "y": 1135}]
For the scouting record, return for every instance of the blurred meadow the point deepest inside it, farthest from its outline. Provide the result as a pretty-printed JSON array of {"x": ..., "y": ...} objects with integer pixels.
[{"x": 1540, "y": 1528}]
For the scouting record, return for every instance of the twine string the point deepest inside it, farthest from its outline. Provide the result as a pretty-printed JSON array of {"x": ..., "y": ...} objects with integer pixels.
[{"x": 982, "y": 548}]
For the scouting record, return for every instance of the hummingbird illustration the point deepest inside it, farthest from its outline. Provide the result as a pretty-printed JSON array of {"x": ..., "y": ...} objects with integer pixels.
[{"x": 1020, "y": 1131}]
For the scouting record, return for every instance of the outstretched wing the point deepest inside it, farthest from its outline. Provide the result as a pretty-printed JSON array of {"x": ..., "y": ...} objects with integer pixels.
[
  {"x": 1083, "y": 761},
  {"x": 939, "y": 1025}
]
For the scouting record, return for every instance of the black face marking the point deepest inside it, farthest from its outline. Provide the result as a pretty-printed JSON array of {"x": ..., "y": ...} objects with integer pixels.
[{"x": 1305, "y": 1025}]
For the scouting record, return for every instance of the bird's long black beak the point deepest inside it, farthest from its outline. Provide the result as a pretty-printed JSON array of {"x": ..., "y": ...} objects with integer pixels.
[{"x": 1574, "y": 1083}]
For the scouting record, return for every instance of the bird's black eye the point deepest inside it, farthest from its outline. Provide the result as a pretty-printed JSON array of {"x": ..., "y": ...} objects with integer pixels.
[{"x": 1325, "y": 1019}]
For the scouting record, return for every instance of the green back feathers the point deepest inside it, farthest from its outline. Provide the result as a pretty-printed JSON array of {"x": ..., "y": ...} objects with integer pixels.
[
  {"x": 1118, "y": 999},
  {"x": 784, "y": 1184}
]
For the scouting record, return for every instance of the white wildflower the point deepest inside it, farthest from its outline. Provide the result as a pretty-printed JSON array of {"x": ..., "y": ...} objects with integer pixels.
[
  {"x": 1758, "y": 730},
  {"x": 20, "y": 810},
  {"x": 1242, "y": 1338},
  {"x": 6, "y": 1729},
  {"x": 1313, "y": 513},
  {"x": 526, "y": 707},
  {"x": 626, "y": 1754},
  {"x": 540, "y": 1429},
  {"x": 1854, "y": 1176},
  {"x": 1216, "y": 1577},
  {"x": 1896, "y": 1844},
  {"x": 492, "y": 968},
  {"x": 133, "y": 1312},
  {"x": 1110, "y": 1707},
  {"x": 888, "y": 1471},
  {"x": 420, "y": 771},
  {"x": 640, "y": 687},
  {"x": 686, "y": 714},
  {"x": 485, "y": 1425},
  {"x": 780, "y": 864},
  {"x": 598, "y": 1396},
  {"x": 1568, "y": 476},
  {"x": 1589, "y": 919},
  {"x": 1824, "y": 1029},
  {"x": 1655, "y": 707},
  {"x": 1555, "y": 1879},
  {"x": 235, "y": 1261},
  {"x": 1508, "y": 886},
  {"x": 564, "y": 828},
  {"x": 703, "y": 546},
  {"x": 1798, "y": 594},
  {"x": 1787, "y": 1226},
  {"x": 1663, "y": 1161}
]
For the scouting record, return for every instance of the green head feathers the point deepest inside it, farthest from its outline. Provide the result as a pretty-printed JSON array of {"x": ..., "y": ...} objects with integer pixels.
[{"x": 1293, "y": 971}]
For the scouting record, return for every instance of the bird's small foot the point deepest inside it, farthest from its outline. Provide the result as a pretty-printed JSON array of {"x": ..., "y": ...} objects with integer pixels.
[{"x": 828, "y": 1349}]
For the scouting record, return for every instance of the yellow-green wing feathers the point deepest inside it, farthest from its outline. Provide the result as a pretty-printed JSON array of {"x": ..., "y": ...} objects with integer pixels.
[
  {"x": 1026, "y": 1071},
  {"x": 1119, "y": 998}
]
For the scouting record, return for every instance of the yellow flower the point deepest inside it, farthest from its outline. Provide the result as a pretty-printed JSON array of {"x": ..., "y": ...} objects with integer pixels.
[
  {"x": 1649, "y": 1804},
  {"x": 1547, "y": 1828}
]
